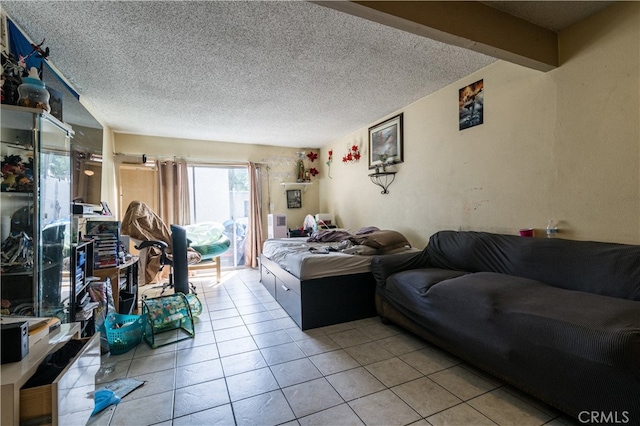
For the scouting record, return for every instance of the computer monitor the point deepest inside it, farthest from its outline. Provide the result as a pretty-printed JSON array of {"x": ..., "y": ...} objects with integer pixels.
[{"x": 179, "y": 252}]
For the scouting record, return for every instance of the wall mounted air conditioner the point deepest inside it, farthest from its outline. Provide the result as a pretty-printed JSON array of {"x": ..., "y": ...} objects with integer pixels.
[{"x": 277, "y": 226}]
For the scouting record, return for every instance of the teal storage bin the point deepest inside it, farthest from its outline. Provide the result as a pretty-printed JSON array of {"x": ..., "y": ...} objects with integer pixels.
[
  {"x": 167, "y": 313},
  {"x": 124, "y": 332}
]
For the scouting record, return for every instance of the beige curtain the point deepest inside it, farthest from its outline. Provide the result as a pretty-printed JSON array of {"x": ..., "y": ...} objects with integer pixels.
[
  {"x": 254, "y": 235},
  {"x": 174, "y": 192}
]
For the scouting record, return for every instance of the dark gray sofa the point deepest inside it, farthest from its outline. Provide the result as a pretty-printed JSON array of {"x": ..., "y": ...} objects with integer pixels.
[{"x": 559, "y": 319}]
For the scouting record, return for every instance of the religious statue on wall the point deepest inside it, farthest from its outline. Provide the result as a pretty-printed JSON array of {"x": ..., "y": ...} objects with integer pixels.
[{"x": 299, "y": 170}]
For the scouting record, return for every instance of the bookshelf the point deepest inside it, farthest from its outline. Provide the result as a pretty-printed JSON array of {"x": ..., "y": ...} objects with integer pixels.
[
  {"x": 106, "y": 235},
  {"x": 81, "y": 308}
]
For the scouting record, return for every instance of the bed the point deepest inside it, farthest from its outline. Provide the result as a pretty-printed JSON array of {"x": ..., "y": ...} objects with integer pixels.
[{"x": 326, "y": 278}]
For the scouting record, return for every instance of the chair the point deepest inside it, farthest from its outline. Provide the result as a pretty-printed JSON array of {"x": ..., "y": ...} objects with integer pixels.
[
  {"x": 160, "y": 247},
  {"x": 208, "y": 239},
  {"x": 178, "y": 273},
  {"x": 164, "y": 259},
  {"x": 141, "y": 223}
]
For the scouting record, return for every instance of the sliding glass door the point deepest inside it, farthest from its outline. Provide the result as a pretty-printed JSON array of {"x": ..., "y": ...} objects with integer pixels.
[{"x": 221, "y": 194}]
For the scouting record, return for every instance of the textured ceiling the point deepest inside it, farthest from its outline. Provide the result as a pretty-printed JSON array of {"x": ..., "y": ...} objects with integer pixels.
[
  {"x": 279, "y": 73},
  {"x": 553, "y": 15}
]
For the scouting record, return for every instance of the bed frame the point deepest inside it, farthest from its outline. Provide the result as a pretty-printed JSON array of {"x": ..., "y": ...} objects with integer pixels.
[{"x": 322, "y": 301}]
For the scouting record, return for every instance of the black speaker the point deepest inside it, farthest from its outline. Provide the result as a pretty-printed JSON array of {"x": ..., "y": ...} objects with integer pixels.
[
  {"x": 179, "y": 246},
  {"x": 15, "y": 341}
]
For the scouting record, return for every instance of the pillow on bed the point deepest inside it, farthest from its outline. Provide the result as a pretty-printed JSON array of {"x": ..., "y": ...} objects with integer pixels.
[
  {"x": 384, "y": 240},
  {"x": 367, "y": 230}
]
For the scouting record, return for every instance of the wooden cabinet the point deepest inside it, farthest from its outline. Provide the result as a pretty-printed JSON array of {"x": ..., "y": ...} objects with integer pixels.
[
  {"x": 64, "y": 401},
  {"x": 124, "y": 284}
]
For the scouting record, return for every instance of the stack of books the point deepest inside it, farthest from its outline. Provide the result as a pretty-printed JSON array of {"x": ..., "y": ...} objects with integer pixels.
[{"x": 106, "y": 236}]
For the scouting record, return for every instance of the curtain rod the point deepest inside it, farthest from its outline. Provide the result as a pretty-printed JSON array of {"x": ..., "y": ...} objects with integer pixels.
[{"x": 193, "y": 160}]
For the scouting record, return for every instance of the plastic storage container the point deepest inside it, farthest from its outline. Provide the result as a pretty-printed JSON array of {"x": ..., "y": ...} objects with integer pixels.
[
  {"x": 33, "y": 92},
  {"x": 124, "y": 332}
]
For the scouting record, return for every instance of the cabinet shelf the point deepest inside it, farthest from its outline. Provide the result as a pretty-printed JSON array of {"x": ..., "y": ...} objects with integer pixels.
[
  {"x": 30, "y": 271},
  {"x": 82, "y": 287},
  {"x": 80, "y": 372},
  {"x": 4, "y": 191},
  {"x": 303, "y": 184},
  {"x": 38, "y": 206},
  {"x": 16, "y": 274},
  {"x": 18, "y": 145}
]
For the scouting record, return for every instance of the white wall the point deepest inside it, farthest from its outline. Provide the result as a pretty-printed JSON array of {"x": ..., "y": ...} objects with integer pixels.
[
  {"x": 563, "y": 145},
  {"x": 281, "y": 162}
]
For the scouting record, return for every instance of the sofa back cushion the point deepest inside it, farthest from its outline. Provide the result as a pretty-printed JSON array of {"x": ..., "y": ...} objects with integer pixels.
[{"x": 608, "y": 269}]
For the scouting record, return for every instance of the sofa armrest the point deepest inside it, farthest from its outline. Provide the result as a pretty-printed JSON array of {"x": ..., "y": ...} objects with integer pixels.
[{"x": 384, "y": 266}]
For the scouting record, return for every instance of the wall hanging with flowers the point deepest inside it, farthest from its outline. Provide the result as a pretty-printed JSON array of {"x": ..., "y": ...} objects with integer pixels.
[
  {"x": 312, "y": 156},
  {"x": 352, "y": 155}
]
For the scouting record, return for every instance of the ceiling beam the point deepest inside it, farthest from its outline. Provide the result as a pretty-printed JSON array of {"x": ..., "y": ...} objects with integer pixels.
[{"x": 469, "y": 24}]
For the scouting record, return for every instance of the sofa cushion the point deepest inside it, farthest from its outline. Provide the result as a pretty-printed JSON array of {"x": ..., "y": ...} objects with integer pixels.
[
  {"x": 574, "y": 349},
  {"x": 382, "y": 267},
  {"x": 602, "y": 268},
  {"x": 522, "y": 318},
  {"x": 409, "y": 285},
  {"x": 512, "y": 309}
]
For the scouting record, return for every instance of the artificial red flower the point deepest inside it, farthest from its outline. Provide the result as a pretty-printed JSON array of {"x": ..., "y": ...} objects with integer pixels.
[
  {"x": 354, "y": 148},
  {"x": 356, "y": 155},
  {"x": 313, "y": 171},
  {"x": 312, "y": 156}
]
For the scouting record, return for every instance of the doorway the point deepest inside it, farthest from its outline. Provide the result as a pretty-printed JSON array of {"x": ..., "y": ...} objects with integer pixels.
[
  {"x": 137, "y": 183},
  {"x": 221, "y": 194}
]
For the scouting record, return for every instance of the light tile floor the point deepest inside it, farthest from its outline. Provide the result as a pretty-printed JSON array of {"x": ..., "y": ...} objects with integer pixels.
[{"x": 249, "y": 364}]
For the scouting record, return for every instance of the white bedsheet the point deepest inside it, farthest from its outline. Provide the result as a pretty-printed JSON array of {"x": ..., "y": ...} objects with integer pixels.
[{"x": 294, "y": 256}]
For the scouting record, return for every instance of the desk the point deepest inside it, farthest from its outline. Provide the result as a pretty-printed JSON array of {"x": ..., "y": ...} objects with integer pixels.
[
  {"x": 124, "y": 277},
  {"x": 67, "y": 396}
]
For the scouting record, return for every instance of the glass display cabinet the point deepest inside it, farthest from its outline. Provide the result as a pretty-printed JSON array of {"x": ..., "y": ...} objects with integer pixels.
[{"x": 35, "y": 212}]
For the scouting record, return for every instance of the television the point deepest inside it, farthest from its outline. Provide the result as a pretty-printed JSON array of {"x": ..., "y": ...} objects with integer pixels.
[{"x": 179, "y": 253}]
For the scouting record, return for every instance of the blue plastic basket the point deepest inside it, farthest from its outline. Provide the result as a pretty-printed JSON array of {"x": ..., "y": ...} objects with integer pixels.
[{"x": 124, "y": 332}]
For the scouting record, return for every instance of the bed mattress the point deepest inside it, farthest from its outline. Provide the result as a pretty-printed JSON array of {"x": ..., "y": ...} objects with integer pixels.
[{"x": 307, "y": 261}]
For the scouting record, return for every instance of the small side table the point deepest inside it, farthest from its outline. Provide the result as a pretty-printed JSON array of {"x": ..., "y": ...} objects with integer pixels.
[{"x": 124, "y": 277}]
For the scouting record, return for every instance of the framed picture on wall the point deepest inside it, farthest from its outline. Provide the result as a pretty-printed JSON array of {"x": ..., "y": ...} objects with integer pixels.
[
  {"x": 385, "y": 142},
  {"x": 471, "y": 105},
  {"x": 294, "y": 198}
]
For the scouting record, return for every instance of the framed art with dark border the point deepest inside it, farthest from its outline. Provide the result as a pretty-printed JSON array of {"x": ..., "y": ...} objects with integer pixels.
[
  {"x": 385, "y": 142},
  {"x": 294, "y": 199}
]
